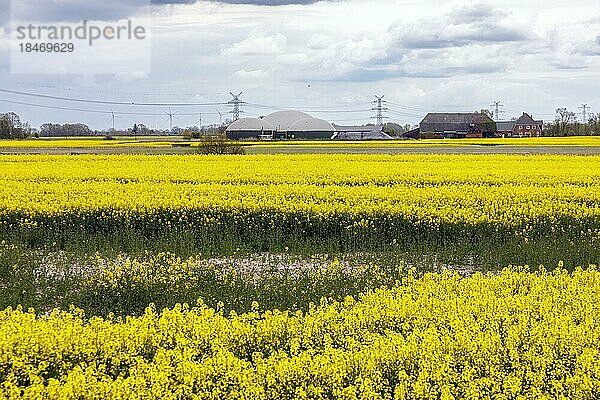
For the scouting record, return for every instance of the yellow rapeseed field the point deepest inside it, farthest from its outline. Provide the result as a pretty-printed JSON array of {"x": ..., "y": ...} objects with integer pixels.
[
  {"x": 512, "y": 335},
  {"x": 431, "y": 189},
  {"x": 167, "y": 141}
]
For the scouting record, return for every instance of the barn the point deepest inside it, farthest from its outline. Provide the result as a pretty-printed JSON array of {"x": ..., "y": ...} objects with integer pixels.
[
  {"x": 458, "y": 125},
  {"x": 361, "y": 132}
]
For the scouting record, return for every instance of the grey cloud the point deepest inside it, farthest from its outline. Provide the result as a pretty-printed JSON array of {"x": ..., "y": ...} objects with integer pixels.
[
  {"x": 271, "y": 2},
  {"x": 475, "y": 12},
  {"x": 474, "y": 23},
  {"x": 433, "y": 43},
  {"x": 106, "y": 10},
  {"x": 378, "y": 75},
  {"x": 588, "y": 48},
  {"x": 60, "y": 11},
  {"x": 4, "y": 12}
]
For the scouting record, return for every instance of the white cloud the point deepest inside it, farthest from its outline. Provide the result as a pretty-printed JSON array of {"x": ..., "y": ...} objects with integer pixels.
[
  {"x": 319, "y": 41},
  {"x": 258, "y": 45},
  {"x": 293, "y": 59},
  {"x": 258, "y": 74}
]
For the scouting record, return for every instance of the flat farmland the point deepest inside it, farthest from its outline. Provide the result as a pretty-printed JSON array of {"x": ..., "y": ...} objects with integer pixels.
[
  {"x": 290, "y": 276},
  {"x": 174, "y": 145}
]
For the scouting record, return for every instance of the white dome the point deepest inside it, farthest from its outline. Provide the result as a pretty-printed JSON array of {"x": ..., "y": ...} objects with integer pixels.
[
  {"x": 283, "y": 120},
  {"x": 312, "y": 125},
  {"x": 250, "y": 124}
]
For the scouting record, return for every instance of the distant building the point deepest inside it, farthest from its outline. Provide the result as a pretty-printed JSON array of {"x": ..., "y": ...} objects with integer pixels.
[
  {"x": 526, "y": 126},
  {"x": 412, "y": 134},
  {"x": 249, "y": 128},
  {"x": 310, "y": 128},
  {"x": 362, "y": 132},
  {"x": 281, "y": 125},
  {"x": 504, "y": 128},
  {"x": 458, "y": 125}
]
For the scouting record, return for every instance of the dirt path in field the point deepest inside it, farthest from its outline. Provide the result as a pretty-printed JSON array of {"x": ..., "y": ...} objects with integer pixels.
[{"x": 328, "y": 149}]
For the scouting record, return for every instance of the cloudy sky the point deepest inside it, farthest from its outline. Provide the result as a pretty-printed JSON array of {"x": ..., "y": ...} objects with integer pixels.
[{"x": 329, "y": 58}]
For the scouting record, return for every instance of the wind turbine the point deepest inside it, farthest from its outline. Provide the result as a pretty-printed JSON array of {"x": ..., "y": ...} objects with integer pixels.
[
  {"x": 113, "y": 116},
  {"x": 171, "y": 116},
  {"x": 199, "y": 122}
]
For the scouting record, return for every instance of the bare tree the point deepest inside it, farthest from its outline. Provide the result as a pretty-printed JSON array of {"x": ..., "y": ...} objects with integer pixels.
[
  {"x": 11, "y": 127},
  {"x": 487, "y": 112},
  {"x": 564, "y": 120},
  {"x": 594, "y": 124}
]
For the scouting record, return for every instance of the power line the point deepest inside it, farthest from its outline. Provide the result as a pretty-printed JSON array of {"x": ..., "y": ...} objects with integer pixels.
[
  {"x": 379, "y": 102},
  {"x": 236, "y": 103},
  {"x": 97, "y": 90},
  {"x": 333, "y": 111},
  {"x": 584, "y": 109},
  {"x": 120, "y": 103},
  {"x": 306, "y": 109},
  {"x": 349, "y": 120},
  {"x": 54, "y": 107},
  {"x": 96, "y": 111},
  {"x": 497, "y": 105},
  {"x": 408, "y": 107}
]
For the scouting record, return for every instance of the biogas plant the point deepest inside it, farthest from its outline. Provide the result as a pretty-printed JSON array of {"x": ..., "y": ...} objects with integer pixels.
[
  {"x": 298, "y": 125},
  {"x": 281, "y": 125}
]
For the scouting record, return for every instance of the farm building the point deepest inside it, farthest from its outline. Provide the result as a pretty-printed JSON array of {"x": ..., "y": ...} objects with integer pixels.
[
  {"x": 310, "y": 128},
  {"x": 283, "y": 120},
  {"x": 363, "y": 132},
  {"x": 504, "y": 128},
  {"x": 525, "y": 126},
  {"x": 458, "y": 125},
  {"x": 281, "y": 125},
  {"x": 246, "y": 128}
]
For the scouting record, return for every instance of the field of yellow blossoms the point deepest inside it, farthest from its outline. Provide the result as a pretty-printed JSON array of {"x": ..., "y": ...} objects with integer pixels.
[
  {"x": 512, "y": 335},
  {"x": 304, "y": 203},
  {"x": 135, "y": 276}
]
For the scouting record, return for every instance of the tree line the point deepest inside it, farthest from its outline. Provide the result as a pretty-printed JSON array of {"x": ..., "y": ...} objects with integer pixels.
[
  {"x": 11, "y": 127},
  {"x": 566, "y": 124}
]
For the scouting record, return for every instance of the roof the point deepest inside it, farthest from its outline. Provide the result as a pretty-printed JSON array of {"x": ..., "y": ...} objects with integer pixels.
[
  {"x": 505, "y": 126},
  {"x": 311, "y": 125},
  {"x": 283, "y": 120},
  {"x": 457, "y": 122},
  {"x": 250, "y": 124},
  {"x": 361, "y": 135},
  {"x": 456, "y": 118},
  {"x": 358, "y": 128},
  {"x": 526, "y": 119}
]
